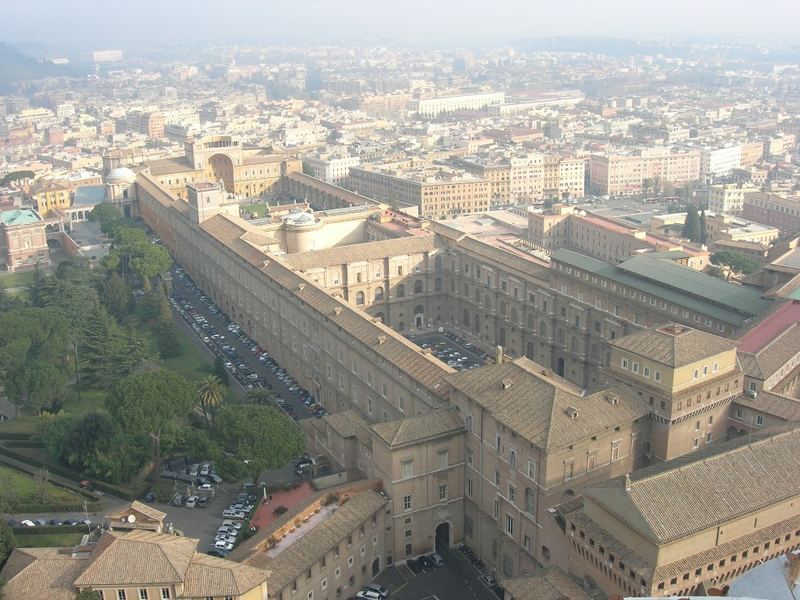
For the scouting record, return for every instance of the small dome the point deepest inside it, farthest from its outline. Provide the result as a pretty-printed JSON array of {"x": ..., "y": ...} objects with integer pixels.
[{"x": 121, "y": 176}]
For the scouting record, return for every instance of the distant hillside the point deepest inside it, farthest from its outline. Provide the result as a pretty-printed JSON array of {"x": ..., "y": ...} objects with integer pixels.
[{"x": 16, "y": 66}]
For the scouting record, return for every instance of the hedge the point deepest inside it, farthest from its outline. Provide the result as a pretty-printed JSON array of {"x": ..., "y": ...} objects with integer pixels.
[
  {"x": 45, "y": 529},
  {"x": 11, "y": 435},
  {"x": 126, "y": 494},
  {"x": 30, "y": 507},
  {"x": 24, "y": 444}
]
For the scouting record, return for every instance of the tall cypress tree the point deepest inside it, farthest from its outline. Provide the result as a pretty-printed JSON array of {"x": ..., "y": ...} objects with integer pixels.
[
  {"x": 703, "y": 232},
  {"x": 691, "y": 228}
]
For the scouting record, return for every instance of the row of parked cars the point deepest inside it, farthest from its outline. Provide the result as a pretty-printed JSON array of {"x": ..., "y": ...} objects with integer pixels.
[
  {"x": 46, "y": 523},
  {"x": 222, "y": 346},
  {"x": 426, "y": 562},
  {"x": 233, "y": 524}
]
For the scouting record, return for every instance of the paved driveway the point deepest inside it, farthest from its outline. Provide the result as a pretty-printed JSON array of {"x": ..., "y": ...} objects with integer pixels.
[{"x": 456, "y": 580}]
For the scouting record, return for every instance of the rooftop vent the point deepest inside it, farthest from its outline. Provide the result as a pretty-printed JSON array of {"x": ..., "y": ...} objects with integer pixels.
[
  {"x": 572, "y": 412},
  {"x": 613, "y": 400},
  {"x": 381, "y": 339},
  {"x": 337, "y": 310},
  {"x": 506, "y": 383},
  {"x": 301, "y": 287}
]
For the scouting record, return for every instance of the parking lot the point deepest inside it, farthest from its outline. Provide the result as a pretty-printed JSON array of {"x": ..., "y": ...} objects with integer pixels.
[
  {"x": 456, "y": 580},
  {"x": 449, "y": 348}
]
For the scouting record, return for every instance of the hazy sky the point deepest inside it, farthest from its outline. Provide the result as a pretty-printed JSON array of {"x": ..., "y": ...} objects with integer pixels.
[{"x": 472, "y": 22}]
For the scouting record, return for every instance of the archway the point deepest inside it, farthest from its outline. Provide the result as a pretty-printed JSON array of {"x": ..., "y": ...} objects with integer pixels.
[
  {"x": 419, "y": 316},
  {"x": 53, "y": 244},
  {"x": 561, "y": 366},
  {"x": 376, "y": 566},
  {"x": 442, "y": 536},
  {"x": 221, "y": 167}
]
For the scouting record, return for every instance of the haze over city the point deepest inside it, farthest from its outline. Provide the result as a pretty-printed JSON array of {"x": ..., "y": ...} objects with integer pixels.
[{"x": 412, "y": 300}]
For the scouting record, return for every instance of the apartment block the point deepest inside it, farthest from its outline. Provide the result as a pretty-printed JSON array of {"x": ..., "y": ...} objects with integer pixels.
[
  {"x": 626, "y": 174},
  {"x": 432, "y": 107},
  {"x": 776, "y": 210}
]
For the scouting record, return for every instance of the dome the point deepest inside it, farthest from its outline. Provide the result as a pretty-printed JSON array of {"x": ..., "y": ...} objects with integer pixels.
[
  {"x": 121, "y": 176},
  {"x": 300, "y": 218}
]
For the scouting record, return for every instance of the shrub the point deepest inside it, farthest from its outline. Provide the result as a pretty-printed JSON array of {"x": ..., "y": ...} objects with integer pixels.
[{"x": 279, "y": 510}]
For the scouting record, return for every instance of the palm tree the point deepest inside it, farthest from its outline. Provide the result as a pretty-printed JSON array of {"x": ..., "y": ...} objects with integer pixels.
[{"x": 210, "y": 393}]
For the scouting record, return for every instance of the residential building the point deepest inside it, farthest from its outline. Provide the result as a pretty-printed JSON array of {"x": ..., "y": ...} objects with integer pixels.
[
  {"x": 619, "y": 175},
  {"x": 727, "y": 199},
  {"x": 776, "y": 210},
  {"x": 331, "y": 169}
]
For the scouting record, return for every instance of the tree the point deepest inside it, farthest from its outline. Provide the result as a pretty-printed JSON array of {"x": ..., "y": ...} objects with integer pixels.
[
  {"x": 88, "y": 594},
  {"x": 107, "y": 215},
  {"x": 95, "y": 446},
  {"x": 257, "y": 438},
  {"x": 34, "y": 347},
  {"x": 167, "y": 339},
  {"x": 734, "y": 262},
  {"x": 41, "y": 486},
  {"x": 691, "y": 228},
  {"x": 101, "y": 341},
  {"x": 211, "y": 394},
  {"x": 9, "y": 302},
  {"x": 220, "y": 372},
  {"x": 260, "y": 396},
  {"x": 703, "y": 225},
  {"x": 115, "y": 295},
  {"x": 7, "y": 541},
  {"x": 149, "y": 403},
  {"x": 14, "y": 179}
]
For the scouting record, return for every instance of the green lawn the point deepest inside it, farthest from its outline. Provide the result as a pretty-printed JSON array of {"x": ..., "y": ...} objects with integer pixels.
[
  {"x": 47, "y": 540},
  {"x": 13, "y": 280},
  {"x": 21, "y": 424},
  {"x": 22, "y": 486},
  {"x": 259, "y": 209},
  {"x": 192, "y": 362}
]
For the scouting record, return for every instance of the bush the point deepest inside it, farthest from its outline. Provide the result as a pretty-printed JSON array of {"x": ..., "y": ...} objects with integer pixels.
[
  {"x": 164, "y": 489},
  {"x": 279, "y": 510}
]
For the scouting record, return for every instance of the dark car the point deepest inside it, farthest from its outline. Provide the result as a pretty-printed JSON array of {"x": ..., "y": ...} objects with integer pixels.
[
  {"x": 415, "y": 565},
  {"x": 427, "y": 563},
  {"x": 150, "y": 497},
  {"x": 202, "y": 502}
]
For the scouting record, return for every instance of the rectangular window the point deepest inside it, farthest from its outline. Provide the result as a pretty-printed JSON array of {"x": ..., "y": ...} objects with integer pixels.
[
  {"x": 759, "y": 420},
  {"x": 406, "y": 469},
  {"x": 409, "y": 550},
  {"x": 496, "y": 477},
  {"x": 469, "y": 486},
  {"x": 512, "y": 494},
  {"x": 509, "y": 524},
  {"x": 646, "y": 372},
  {"x": 635, "y": 367},
  {"x": 407, "y": 502},
  {"x": 624, "y": 363},
  {"x": 443, "y": 458},
  {"x": 142, "y": 594},
  {"x": 443, "y": 492},
  {"x": 120, "y": 594},
  {"x": 470, "y": 456},
  {"x": 512, "y": 458},
  {"x": 615, "y": 450},
  {"x": 496, "y": 511},
  {"x": 531, "y": 470},
  {"x": 658, "y": 375}
]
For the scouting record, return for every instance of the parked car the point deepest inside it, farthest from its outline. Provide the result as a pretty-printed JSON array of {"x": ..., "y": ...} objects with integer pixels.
[
  {"x": 231, "y": 523},
  {"x": 223, "y": 545},
  {"x": 427, "y": 563},
  {"x": 27, "y": 523},
  {"x": 415, "y": 565},
  {"x": 150, "y": 497},
  {"x": 233, "y": 514},
  {"x": 437, "y": 559},
  {"x": 379, "y": 589},
  {"x": 202, "y": 502},
  {"x": 178, "y": 500},
  {"x": 368, "y": 595},
  {"x": 191, "y": 501}
]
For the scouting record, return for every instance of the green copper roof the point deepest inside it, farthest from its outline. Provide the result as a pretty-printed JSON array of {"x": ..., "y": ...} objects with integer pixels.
[
  {"x": 676, "y": 284},
  {"x": 19, "y": 216}
]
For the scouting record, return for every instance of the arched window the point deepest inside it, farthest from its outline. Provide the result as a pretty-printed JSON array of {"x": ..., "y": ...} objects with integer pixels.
[
  {"x": 529, "y": 351},
  {"x": 595, "y": 352},
  {"x": 488, "y": 302},
  {"x": 530, "y": 501},
  {"x": 378, "y": 293},
  {"x": 502, "y": 336},
  {"x": 465, "y": 318},
  {"x": 573, "y": 344},
  {"x": 514, "y": 314},
  {"x": 418, "y": 286},
  {"x": 437, "y": 284},
  {"x": 437, "y": 263},
  {"x": 477, "y": 325},
  {"x": 419, "y": 310},
  {"x": 360, "y": 298},
  {"x": 503, "y": 307},
  {"x": 531, "y": 322},
  {"x": 466, "y": 290},
  {"x": 543, "y": 328},
  {"x": 401, "y": 291}
]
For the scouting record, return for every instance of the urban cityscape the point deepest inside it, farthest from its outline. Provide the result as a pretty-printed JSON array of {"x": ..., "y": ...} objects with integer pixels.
[{"x": 350, "y": 300}]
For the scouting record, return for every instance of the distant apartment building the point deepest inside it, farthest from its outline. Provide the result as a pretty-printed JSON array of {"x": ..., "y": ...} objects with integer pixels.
[
  {"x": 432, "y": 107},
  {"x": 49, "y": 194},
  {"x": 106, "y": 55},
  {"x": 752, "y": 152},
  {"x": 735, "y": 229},
  {"x": 727, "y": 198},
  {"x": 716, "y": 162},
  {"x": 776, "y": 210},
  {"x": 593, "y": 235},
  {"x": 331, "y": 169},
  {"x": 779, "y": 145},
  {"x": 439, "y": 192},
  {"x": 385, "y": 105},
  {"x": 619, "y": 175}
]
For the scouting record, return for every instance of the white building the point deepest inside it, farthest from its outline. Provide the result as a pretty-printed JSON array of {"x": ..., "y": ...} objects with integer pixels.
[
  {"x": 331, "y": 169},
  {"x": 720, "y": 161},
  {"x": 431, "y": 107},
  {"x": 727, "y": 199}
]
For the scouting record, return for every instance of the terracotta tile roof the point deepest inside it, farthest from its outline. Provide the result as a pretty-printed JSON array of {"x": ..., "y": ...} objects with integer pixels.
[
  {"x": 140, "y": 507},
  {"x": 777, "y": 405},
  {"x": 762, "y": 333},
  {"x": 774, "y": 355},
  {"x": 297, "y": 558},
  {"x": 552, "y": 585},
  {"x": 38, "y": 573},
  {"x": 347, "y": 424},
  {"x": 209, "y": 576},
  {"x": 340, "y": 255},
  {"x": 543, "y": 408},
  {"x": 169, "y": 166},
  {"x": 744, "y": 477},
  {"x": 137, "y": 557},
  {"x": 673, "y": 345},
  {"x": 419, "y": 427}
]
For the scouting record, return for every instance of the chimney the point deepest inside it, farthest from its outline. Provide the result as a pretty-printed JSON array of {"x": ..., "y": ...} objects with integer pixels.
[
  {"x": 498, "y": 355},
  {"x": 627, "y": 482}
]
